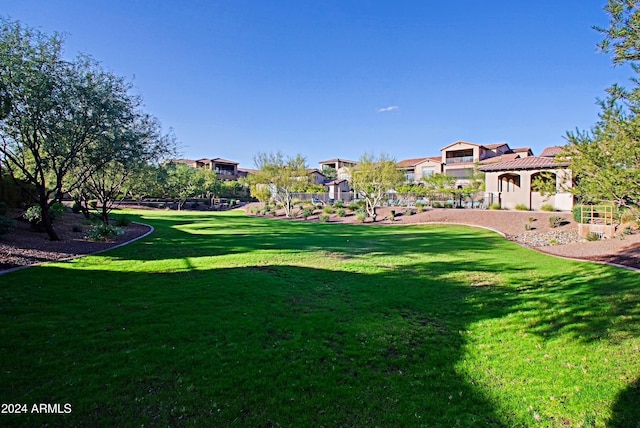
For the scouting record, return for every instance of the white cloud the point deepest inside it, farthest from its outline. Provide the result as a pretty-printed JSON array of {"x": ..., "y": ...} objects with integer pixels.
[{"x": 390, "y": 108}]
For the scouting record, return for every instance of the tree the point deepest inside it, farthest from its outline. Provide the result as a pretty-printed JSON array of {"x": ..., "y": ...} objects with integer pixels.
[
  {"x": 605, "y": 161},
  {"x": 284, "y": 177},
  {"x": 183, "y": 182},
  {"x": 440, "y": 185},
  {"x": 127, "y": 150},
  {"x": 372, "y": 179},
  {"x": 59, "y": 111}
]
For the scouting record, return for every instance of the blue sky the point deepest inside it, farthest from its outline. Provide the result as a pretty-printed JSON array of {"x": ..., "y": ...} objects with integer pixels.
[{"x": 338, "y": 78}]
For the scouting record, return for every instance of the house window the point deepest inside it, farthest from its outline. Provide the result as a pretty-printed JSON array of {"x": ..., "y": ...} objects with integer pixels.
[
  {"x": 428, "y": 171},
  {"x": 409, "y": 175},
  {"x": 460, "y": 173}
]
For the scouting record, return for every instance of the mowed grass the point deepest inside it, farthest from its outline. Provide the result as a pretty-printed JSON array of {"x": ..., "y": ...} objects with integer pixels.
[{"x": 224, "y": 320}]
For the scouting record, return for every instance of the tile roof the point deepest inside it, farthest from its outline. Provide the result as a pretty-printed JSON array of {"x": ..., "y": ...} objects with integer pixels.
[
  {"x": 338, "y": 160},
  {"x": 552, "y": 151},
  {"x": 521, "y": 149},
  {"x": 410, "y": 162},
  {"x": 495, "y": 146},
  {"x": 530, "y": 162},
  {"x": 220, "y": 160},
  {"x": 502, "y": 158}
]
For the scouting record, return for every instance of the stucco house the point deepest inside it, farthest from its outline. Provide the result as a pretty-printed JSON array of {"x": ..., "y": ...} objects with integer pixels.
[
  {"x": 509, "y": 182},
  {"x": 340, "y": 165},
  {"x": 225, "y": 169}
]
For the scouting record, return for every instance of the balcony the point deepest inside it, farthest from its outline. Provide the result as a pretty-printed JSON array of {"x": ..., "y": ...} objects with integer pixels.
[{"x": 460, "y": 159}]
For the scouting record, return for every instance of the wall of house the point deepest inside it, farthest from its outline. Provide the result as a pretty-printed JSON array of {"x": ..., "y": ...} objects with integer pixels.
[{"x": 514, "y": 188}]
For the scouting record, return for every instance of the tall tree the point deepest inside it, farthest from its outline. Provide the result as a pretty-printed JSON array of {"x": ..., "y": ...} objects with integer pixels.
[
  {"x": 59, "y": 111},
  {"x": 183, "y": 182},
  {"x": 605, "y": 160},
  {"x": 372, "y": 179},
  {"x": 284, "y": 177},
  {"x": 118, "y": 156}
]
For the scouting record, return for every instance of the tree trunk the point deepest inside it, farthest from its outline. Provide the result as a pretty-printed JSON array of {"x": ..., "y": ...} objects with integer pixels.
[{"x": 47, "y": 222}]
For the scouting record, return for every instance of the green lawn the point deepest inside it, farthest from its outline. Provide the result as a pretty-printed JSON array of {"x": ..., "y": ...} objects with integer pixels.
[{"x": 224, "y": 320}]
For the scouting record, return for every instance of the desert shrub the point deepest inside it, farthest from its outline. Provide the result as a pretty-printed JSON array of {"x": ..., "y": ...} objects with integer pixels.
[
  {"x": 361, "y": 215},
  {"x": 592, "y": 236},
  {"x": 356, "y": 205},
  {"x": 547, "y": 207},
  {"x": 102, "y": 232},
  {"x": 306, "y": 213},
  {"x": 254, "y": 210},
  {"x": 419, "y": 207},
  {"x": 327, "y": 209},
  {"x": 122, "y": 221},
  {"x": 627, "y": 230},
  {"x": 33, "y": 214},
  {"x": 528, "y": 226},
  {"x": 76, "y": 208},
  {"x": 341, "y": 212},
  {"x": 408, "y": 213},
  {"x": 324, "y": 218},
  {"x": 577, "y": 213},
  {"x": 448, "y": 205},
  {"x": 392, "y": 215},
  {"x": 436, "y": 205},
  {"x": 338, "y": 204},
  {"x": 522, "y": 207},
  {"x": 556, "y": 220},
  {"x": 495, "y": 206},
  {"x": 6, "y": 224},
  {"x": 626, "y": 216}
]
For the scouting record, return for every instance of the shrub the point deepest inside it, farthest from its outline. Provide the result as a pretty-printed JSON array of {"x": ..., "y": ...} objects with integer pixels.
[
  {"x": 306, "y": 213},
  {"x": 6, "y": 224},
  {"x": 527, "y": 226},
  {"x": 392, "y": 215},
  {"x": 102, "y": 232},
  {"x": 577, "y": 213},
  {"x": 123, "y": 220},
  {"x": 93, "y": 204},
  {"x": 419, "y": 207},
  {"x": 495, "y": 206},
  {"x": 33, "y": 214},
  {"x": 448, "y": 205},
  {"x": 361, "y": 215},
  {"x": 556, "y": 220},
  {"x": 547, "y": 207},
  {"x": 324, "y": 218},
  {"x": 436, "y": 205},
  {"x": 522, "y": 207},
  {"x": 341, "y": 212},
  {"x": 328, "y": 209},
  {"x": 592, "y": 236},
  {"x": 338, "y": 204},
  {"x": 627, "y": 230},
  {"x": 76, "y": 207},
  {"x": 408, "y": 213}
]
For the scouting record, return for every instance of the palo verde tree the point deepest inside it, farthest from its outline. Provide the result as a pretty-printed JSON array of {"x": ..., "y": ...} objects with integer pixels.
[
  {"x": 118, "y": 157},
  {"x": 605, "y": 161},
  {"x": 283, "y": 177},
  {"x": 372, "y": 179},
  {"x": 58, "y": 110}
]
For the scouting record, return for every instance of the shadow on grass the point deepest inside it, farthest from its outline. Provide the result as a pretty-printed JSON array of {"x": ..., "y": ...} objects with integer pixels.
[
  {"x": 288, "y": 345},
  {"x": 626, "y": 410}
]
